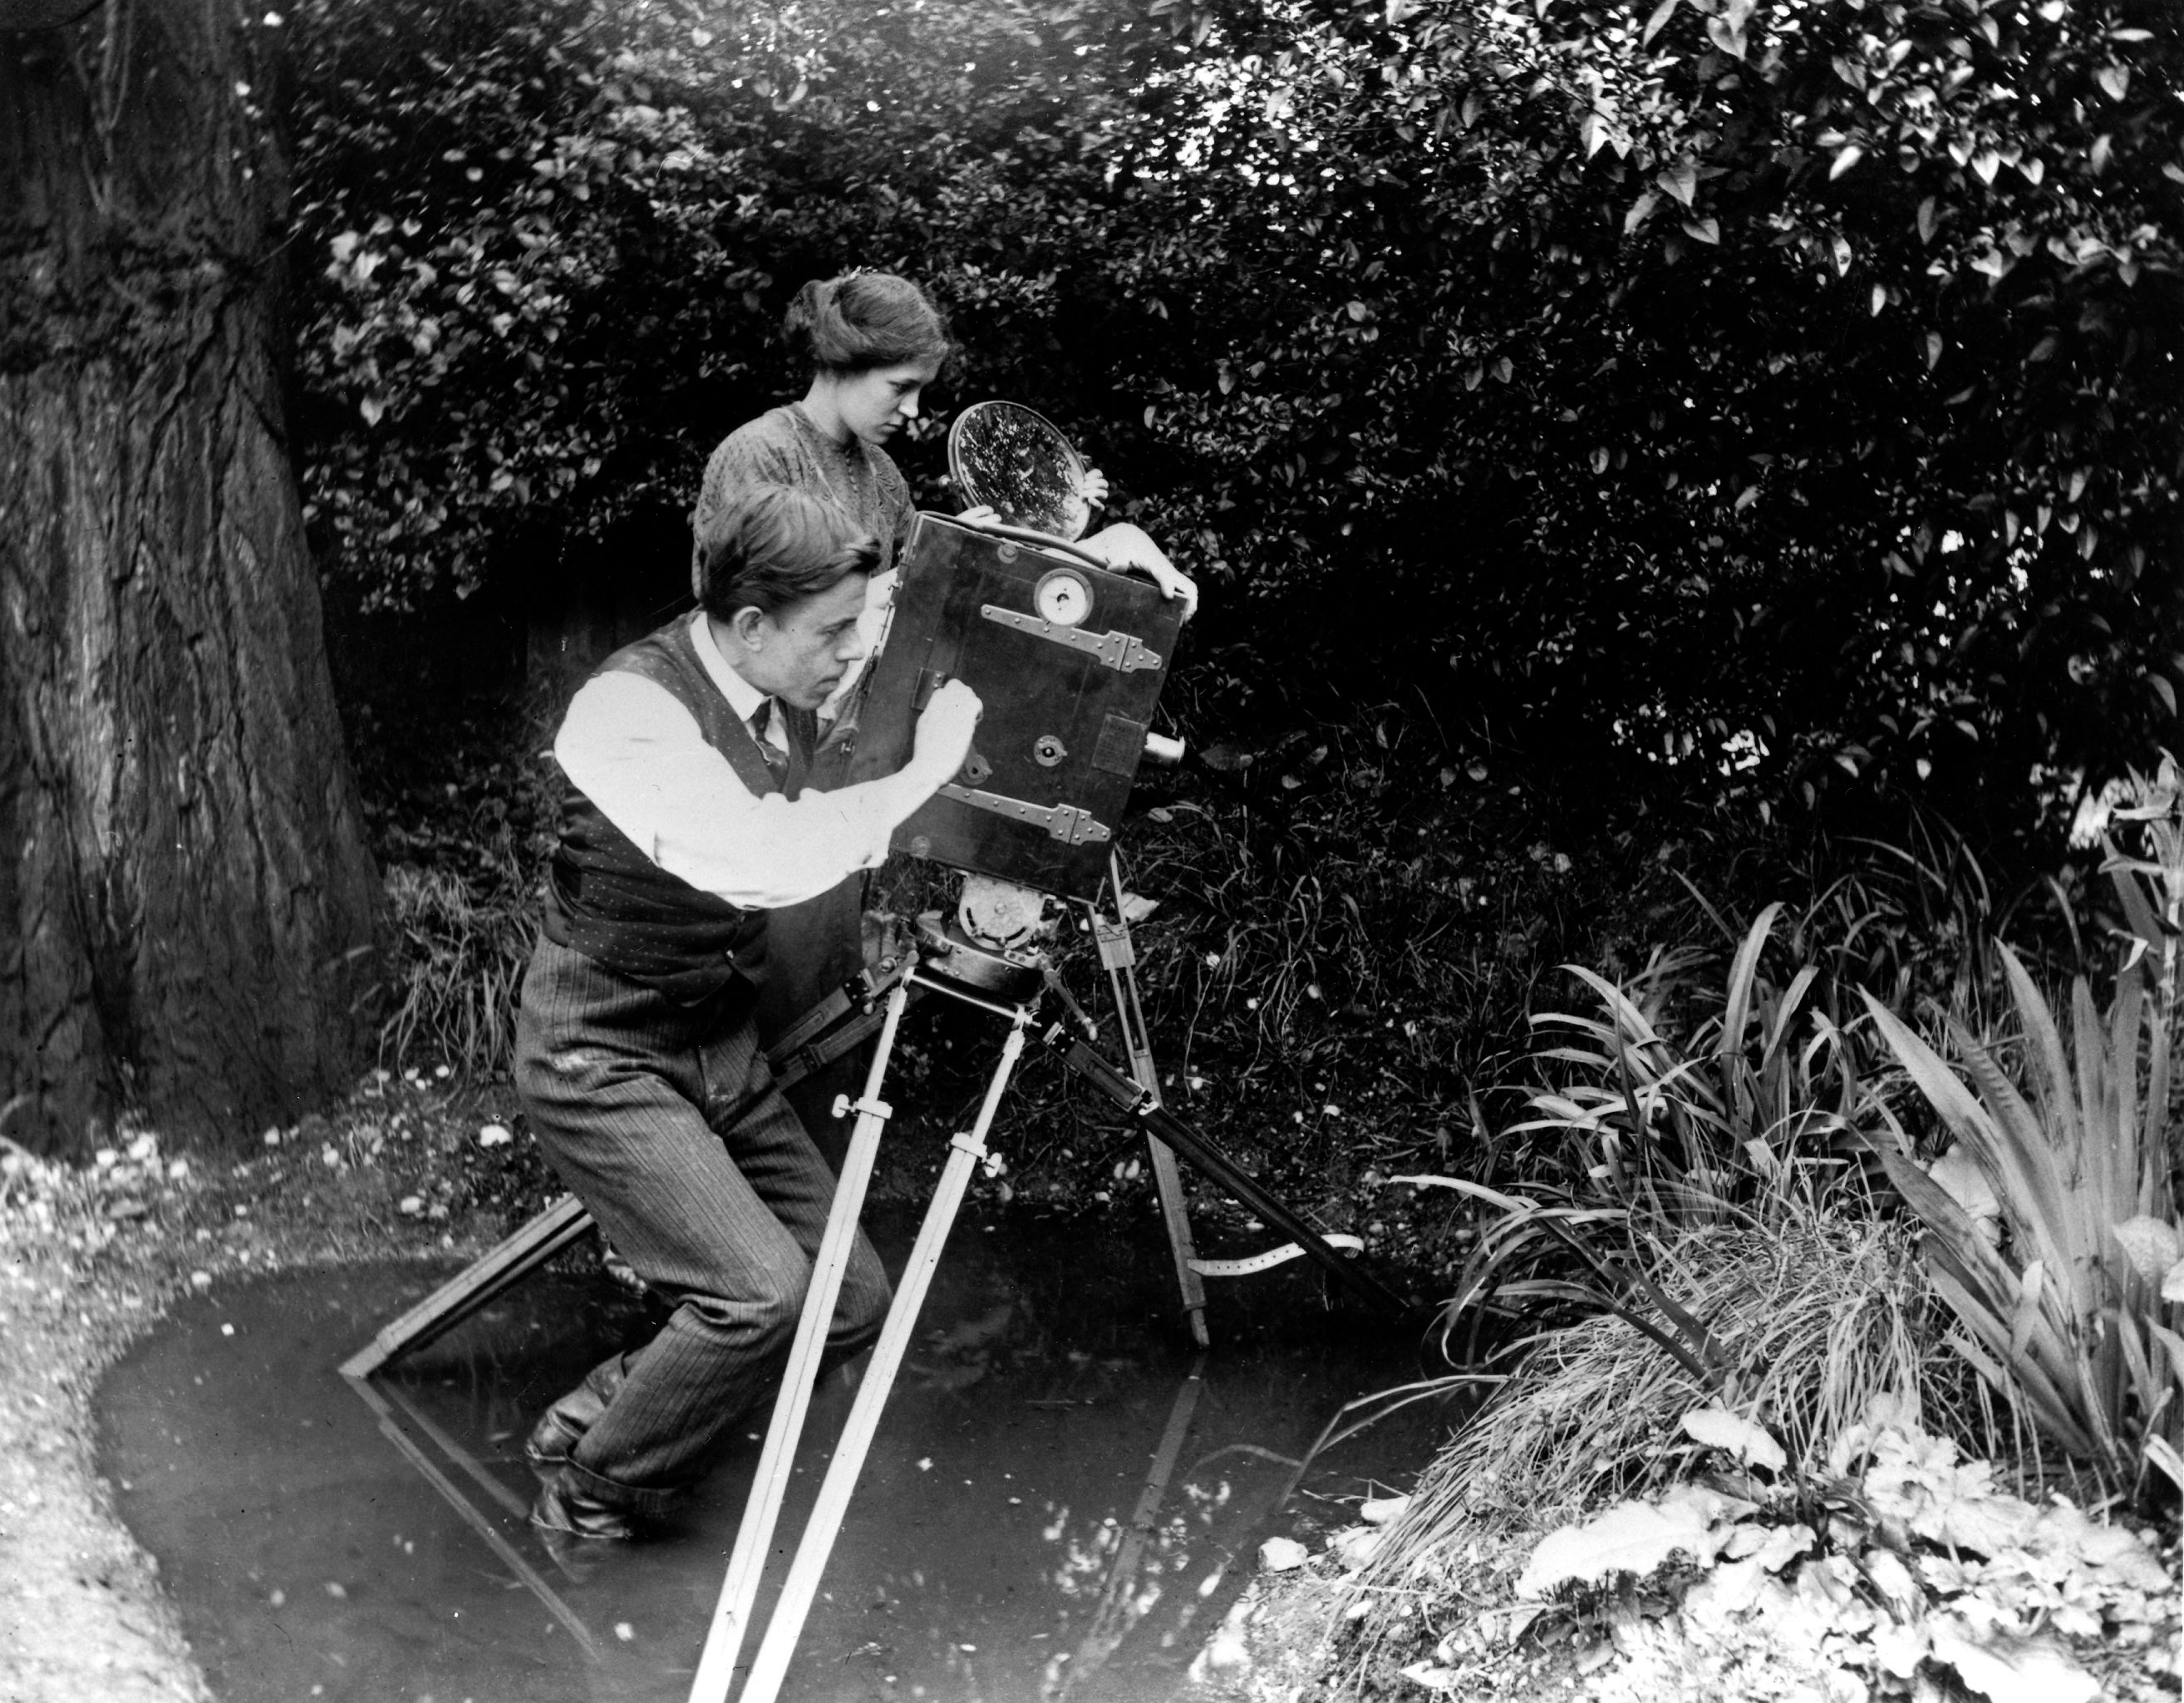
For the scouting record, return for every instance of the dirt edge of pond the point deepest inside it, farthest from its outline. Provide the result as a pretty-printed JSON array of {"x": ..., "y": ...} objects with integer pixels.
[
  {"x": 94, "y": 1256},
  {"x": 82, "y": 1611}
]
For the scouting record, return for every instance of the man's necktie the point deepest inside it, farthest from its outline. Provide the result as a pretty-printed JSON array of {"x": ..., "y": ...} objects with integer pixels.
[{"x": 777, "y": 759}]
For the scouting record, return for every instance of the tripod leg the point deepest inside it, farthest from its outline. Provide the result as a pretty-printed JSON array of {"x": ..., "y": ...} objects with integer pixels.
[
  {"x": 1175, "y": 1213},
  {"x": 468, "y": 1290},
  {"x": 1202, "y": 1153},
  {"x": 771, "y": 1664},
  {"x": 755, "y": 1535},
  {"x": 1118, "y": 953}
]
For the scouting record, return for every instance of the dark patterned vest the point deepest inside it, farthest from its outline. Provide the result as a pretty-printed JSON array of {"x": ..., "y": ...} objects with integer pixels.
[{"x": 607, "y": 900}]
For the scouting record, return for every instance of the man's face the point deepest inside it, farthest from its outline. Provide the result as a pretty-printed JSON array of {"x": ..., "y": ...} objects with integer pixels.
[
  {"x": 878, "y": 402},
  {"x": 806, "y": 648}
]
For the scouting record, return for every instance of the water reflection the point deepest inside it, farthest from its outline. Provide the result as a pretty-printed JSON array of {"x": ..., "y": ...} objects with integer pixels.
[
  {"x": 1062, "y": 1502},
  {"x": 1123, "y": 1602},
  {"x": 385, "y": 1402}
]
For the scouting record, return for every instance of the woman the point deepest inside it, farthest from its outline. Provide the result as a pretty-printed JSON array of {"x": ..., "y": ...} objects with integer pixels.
[{"x": 871, "y": 342}]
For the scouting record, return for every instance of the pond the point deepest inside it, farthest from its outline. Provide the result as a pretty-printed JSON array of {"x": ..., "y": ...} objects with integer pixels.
[{"x": 1063, "y": 1499}]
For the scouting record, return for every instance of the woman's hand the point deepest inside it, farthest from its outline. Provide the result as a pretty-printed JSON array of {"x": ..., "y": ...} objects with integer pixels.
[
  {"x": 1127, "y": 548},
  {"x": 979, "y": 515}
]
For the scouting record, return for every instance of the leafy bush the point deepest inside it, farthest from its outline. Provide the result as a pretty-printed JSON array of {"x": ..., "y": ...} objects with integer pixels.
[
  {"x": 1749, "y": 1117},
  {"x": 2070, "y": 1311},
  {"x": 2068, "y": 1316},
  {"x": 547, "y": 243},
  {"x": 1710, "y": 389},
  {"x": 1349, "y": 926},
  {"x": 1812, "y": 363},
  {"x": 1894, "y": 1563},
  {"x": 1689, "y": 1137}
]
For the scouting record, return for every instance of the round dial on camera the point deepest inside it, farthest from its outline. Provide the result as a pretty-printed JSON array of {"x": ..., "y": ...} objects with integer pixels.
[{"x": 1063, "y": 596}]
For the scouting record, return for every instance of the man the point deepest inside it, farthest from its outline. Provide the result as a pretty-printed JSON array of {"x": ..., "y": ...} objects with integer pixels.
[{"x": 637, "y": 1056}]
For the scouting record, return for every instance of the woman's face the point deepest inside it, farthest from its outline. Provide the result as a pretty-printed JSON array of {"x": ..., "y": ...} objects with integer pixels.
[{"x": 878, "y": 401}]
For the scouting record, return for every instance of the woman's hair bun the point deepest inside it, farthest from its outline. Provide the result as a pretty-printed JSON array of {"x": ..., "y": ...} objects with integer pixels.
[{"x": 856, "y": 320}]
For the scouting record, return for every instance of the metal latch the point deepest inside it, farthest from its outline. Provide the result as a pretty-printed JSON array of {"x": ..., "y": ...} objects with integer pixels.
[
  {"x": 1066, "y": 823},
  {"x": 1117, "y": 951},
  {"x": 1122, "y": 651}
]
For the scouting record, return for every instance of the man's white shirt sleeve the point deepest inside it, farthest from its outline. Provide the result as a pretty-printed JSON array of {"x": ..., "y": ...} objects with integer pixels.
[{"x": 631, "y": 749}]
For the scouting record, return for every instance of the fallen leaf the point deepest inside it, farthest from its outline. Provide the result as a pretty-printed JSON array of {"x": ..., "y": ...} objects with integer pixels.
[
  {"x": 1354, "y": 1546},
  {"x": 2015, "y": 1670},
  {"x": 1281, "y": 1554},
  {"x": 1784, "y": 1545},
  {"x": 1719, "y": 1428},
  {"x": 2153, "y": 1247},
  {"x": 1629, "y": 1537},
  {"x": 1960, "y": 1177}
]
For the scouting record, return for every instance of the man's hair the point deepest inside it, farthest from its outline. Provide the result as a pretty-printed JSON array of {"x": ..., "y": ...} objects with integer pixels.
[
  {"x": 772, "y": 546},
  {"x": 862, "y": 320}
]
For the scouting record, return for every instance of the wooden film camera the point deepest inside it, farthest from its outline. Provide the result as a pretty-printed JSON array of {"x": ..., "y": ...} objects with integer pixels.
[{"x": 1067, "y": 659}]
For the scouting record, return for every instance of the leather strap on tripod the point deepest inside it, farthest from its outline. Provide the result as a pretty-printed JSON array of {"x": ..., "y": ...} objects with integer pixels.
[
  {"x": 1125, "y": 1092},
  {"x": 795, "y": 1055}
]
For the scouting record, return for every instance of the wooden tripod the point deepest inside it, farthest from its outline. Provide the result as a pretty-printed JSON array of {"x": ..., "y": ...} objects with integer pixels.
[{"x": 1136, "y": 1091}]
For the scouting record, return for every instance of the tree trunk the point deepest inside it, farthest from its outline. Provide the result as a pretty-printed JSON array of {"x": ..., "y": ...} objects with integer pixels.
[{"x": 187, "y": 913}]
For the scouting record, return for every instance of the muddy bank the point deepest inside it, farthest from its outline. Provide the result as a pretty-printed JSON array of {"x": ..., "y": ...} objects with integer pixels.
[
  {"x": 410, "y": 1171},
  {"x": 93, "y": 1257}
]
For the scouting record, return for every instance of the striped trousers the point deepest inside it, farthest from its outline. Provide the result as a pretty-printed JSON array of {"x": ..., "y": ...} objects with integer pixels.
[{"x": 664, "y": 1122}]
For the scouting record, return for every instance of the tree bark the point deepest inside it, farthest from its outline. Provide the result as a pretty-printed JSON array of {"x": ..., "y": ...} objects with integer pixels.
[{"x": 187, "y": 913}]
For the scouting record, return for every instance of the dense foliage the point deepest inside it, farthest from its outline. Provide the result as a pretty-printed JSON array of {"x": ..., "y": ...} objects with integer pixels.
[
  {"x": 1735, "y": 394},
  {"x": 1799, "y": 378},
  {"x": 555, "y": 238}
]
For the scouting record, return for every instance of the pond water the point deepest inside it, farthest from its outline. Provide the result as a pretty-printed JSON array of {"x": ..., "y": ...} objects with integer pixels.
[{"x": 1063, "y": 1500}]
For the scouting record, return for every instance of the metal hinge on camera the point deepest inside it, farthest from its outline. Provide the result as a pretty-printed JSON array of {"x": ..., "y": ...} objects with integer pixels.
[
  {"x": 1066, "y": 823},
  {"x": 1124, "y": 652}
]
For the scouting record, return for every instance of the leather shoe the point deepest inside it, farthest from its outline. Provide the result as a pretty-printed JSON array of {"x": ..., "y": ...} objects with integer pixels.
[
  {"x": 562, "y": 1427},
  {"x": 564, "y": 1510},
  {"x": 547, "y": 1449}
]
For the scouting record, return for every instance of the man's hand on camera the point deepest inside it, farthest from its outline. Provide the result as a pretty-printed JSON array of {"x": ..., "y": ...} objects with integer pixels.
[
  {"x": 945, "y": 727},
  {"x": 1093, "y": 488},
  {"x": 1128, "y": 548}
]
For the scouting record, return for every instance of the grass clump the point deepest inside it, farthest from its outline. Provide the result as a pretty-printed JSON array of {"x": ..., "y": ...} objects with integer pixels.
[
  {"x": 1738, "y": 1197},
  {"x": 1811, "y": 1319},
  {"x": 461, "y": 812},
  {"x": 465, "y": 944}
]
